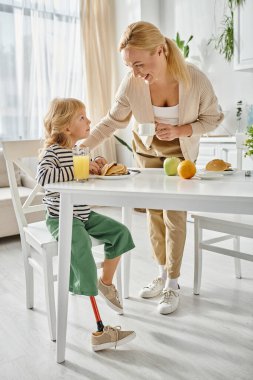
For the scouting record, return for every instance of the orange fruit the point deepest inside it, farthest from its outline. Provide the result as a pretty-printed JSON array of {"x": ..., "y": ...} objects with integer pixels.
[{"x": 186, "y": 169}]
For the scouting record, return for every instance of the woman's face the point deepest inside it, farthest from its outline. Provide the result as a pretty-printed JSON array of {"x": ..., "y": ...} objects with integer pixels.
[{"x": 144, "y": 65}]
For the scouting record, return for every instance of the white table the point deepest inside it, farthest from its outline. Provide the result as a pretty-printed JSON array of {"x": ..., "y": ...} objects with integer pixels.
[{"x": 150, "y": 189}]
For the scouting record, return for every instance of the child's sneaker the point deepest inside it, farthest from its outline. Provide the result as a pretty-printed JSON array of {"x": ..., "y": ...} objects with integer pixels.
[
  {"x": 110, "y": 337},
  {"x": 110, "y": 295}
]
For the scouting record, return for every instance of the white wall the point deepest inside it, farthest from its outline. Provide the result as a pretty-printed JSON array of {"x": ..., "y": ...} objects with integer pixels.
[
  {"x": 128, "y": 11},
  {"x": 202, "y": 19}
]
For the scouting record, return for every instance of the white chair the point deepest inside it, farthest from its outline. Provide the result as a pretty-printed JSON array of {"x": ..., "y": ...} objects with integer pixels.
[
  {"x": 233, "y": 226},
  {"x": 38, "y": 246}
]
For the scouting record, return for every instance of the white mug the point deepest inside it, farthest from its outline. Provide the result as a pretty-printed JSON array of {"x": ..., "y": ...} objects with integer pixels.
[{"x": 147, "y": 129}]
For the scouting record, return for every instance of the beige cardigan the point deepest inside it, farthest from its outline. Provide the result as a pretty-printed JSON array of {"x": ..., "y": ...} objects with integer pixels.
[{"x": 198, "y": 106}]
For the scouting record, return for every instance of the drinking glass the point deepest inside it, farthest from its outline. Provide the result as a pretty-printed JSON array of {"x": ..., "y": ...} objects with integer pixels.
[{"x": 81, "y": 163}]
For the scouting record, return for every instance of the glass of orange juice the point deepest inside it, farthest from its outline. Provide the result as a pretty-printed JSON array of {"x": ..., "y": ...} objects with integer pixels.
[{"x": 81, "y": 163}]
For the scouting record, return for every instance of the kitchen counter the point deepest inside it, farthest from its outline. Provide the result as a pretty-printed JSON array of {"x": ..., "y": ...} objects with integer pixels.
[{"x": 217, "y": 139}]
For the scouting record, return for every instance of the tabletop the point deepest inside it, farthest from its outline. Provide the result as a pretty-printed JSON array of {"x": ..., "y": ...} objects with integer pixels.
[
  {"x": 229, "y": 193},
  {"x": 151, "y": 188}
]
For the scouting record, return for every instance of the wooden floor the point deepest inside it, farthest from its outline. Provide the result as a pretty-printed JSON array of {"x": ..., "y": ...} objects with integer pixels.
[{"x": 209, "y": 337}]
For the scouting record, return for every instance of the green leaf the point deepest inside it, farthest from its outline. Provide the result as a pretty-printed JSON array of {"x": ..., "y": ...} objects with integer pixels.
[
  {"x": 191, "y": 37},
  {"x": 181, "y": 45},
  {"x": 177, "y": 38},
  {"x": 123, "y": 143},
  {"x": 186, "y": 51}
]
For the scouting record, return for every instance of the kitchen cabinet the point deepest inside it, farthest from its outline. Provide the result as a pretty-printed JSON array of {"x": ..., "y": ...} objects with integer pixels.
[
  {"x": 220, "y": 147},
  {"x": 217, "y": 147},
  {"x": 243, "y": 32}
]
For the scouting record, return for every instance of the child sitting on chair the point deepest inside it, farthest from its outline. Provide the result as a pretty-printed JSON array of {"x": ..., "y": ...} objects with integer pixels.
[{"x": 66, "y": 123}]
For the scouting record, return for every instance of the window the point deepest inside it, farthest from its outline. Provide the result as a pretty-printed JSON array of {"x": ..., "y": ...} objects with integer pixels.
[{"x": 40, "y": 58}]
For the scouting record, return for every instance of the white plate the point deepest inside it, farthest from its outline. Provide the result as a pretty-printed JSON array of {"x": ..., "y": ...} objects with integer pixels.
[
  {"x": 215, "y": 174},
  {"x": 228, "y": 172},
  {"x": 131, "y": 174},
  {"x": 208, "y": 175}
]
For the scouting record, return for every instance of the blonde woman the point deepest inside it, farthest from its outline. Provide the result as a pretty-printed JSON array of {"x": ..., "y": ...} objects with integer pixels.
[
  {"x": 161, "y": 88},
  {"x": 66, "y": 123}
]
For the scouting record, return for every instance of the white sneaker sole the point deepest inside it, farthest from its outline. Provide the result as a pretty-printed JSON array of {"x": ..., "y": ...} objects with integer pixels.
[
  {"x": 152, "y": 295},
  {"x": 110, "y": 304},
  {"x": 167, "y": 310},
  {"x": 104, "y": 346}
]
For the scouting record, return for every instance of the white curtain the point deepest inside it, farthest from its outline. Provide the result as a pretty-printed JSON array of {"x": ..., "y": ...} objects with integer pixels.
[
  {"x": 40, "y": 58},
  {"x": 99, "y": 46}
]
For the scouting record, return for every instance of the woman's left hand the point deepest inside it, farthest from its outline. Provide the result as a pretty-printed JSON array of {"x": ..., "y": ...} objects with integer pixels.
[
  {"x": 101, "y": 161},
  {"x": 94, "y": 168},
  {"x": 166, "y": 132}
]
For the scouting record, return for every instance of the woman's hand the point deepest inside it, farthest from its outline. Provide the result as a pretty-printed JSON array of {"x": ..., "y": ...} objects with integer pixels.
[
  {"x": 166, "y": 132},
  {"x": 94, "y": 168},
  {"x": 97, "y": 164},
  {"x": 101, "y": 161}
]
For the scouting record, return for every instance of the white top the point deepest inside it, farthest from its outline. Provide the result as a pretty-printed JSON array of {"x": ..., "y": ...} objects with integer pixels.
[{"x": 166, "y": 115}]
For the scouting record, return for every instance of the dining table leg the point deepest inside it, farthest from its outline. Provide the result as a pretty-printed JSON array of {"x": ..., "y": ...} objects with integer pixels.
[
  {"x": 64, "y": 253},
  {"x": 126, "y": 258}
]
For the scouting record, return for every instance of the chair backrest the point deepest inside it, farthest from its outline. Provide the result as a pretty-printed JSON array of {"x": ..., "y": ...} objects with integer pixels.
[{"x": 15, "y": 153}]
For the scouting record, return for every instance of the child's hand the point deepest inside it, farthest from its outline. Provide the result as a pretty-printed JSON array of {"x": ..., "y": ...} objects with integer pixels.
[
  {"x": 94, "y": 168},
  {"x": 101, "y": 161}
]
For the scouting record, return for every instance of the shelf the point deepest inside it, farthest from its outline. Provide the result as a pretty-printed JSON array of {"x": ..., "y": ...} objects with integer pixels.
[{"x": 218, "y": 139}]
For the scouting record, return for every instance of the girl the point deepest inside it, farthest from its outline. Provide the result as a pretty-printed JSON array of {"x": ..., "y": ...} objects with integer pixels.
[{"x": 66, "y": 123}]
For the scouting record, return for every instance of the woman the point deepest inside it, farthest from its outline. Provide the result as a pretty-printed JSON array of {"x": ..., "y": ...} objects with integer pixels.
[{"x": 161, "y": 88}]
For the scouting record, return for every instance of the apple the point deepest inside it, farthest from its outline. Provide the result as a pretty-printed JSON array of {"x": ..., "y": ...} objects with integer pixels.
[{"x": 170, "y": 165}]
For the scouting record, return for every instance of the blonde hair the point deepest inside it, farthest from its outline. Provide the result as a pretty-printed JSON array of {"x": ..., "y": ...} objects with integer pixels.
[
  {"x": 58, "y": 118},
  {"x": 146, "y": 36}
]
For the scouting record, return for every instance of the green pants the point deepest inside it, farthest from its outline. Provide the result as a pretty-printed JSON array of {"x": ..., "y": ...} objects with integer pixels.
[{"x": 83, "y": 271}]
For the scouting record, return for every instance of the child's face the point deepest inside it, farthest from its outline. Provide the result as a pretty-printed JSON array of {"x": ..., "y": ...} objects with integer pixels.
[{"x": 80, "y": 126}]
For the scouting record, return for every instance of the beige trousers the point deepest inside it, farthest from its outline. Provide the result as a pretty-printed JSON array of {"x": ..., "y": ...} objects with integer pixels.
[{"x": 167, "y": 229}]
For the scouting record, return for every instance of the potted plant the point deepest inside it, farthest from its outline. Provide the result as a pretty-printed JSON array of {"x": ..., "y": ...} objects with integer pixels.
[
  {"x": 224, "y": 42},
  {"x": 249, "y": 142},
  {"x": 182, "y": 45}
]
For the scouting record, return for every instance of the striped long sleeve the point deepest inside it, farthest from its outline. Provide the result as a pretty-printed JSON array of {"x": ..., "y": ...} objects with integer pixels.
[{"x": 57, "y": 166}]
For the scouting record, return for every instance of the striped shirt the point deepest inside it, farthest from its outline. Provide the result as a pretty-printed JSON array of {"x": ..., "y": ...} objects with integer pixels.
[{"x": 57, "y": 166}]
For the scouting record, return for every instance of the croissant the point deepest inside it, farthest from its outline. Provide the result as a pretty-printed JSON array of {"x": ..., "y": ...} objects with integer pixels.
[{"x": 217, "y": 165}]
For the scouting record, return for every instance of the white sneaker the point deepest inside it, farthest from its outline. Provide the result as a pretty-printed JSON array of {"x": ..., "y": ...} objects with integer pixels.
[
  {"x": 169, "y": 301},
  {"x": 153, "y": 289}
]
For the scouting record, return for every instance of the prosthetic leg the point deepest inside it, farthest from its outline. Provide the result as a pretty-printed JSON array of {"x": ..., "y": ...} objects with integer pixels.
[{"x": 100, "y": 325}]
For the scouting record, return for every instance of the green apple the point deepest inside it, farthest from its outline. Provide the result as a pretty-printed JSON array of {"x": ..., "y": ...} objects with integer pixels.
[{"x": 170, "y": 165}]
